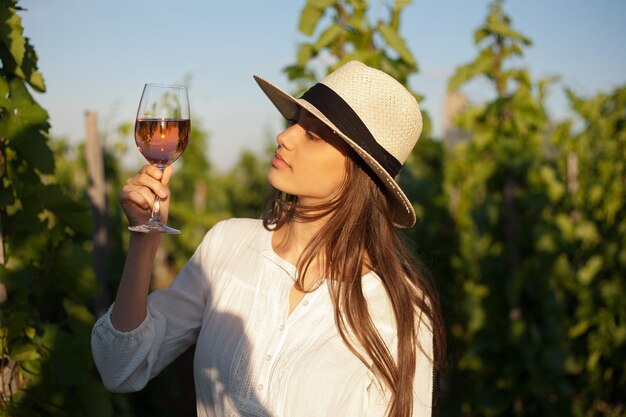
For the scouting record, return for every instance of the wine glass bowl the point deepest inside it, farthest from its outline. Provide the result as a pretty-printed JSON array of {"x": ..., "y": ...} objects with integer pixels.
[
  {"x": 161, "y": 134},
  {"x": 161, "y": 141}
]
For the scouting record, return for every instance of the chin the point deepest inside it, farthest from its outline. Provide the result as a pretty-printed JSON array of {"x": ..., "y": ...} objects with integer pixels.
[{"x": 276, "y": 182}]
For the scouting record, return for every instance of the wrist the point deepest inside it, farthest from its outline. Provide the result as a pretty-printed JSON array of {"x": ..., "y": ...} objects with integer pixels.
[{"x": 144, "y": 240}]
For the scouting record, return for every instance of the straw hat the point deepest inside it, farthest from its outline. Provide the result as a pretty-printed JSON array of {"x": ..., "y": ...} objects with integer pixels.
[{"x": 377, "y": 116}]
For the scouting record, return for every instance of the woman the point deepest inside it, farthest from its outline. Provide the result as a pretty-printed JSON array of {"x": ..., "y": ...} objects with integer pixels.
[{"x": 318, "y": 310}]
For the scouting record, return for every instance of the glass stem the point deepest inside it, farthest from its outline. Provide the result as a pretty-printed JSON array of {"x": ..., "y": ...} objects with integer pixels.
[
  {"x": 156, "y": 212},
  {"x": 156, "y": 207}
]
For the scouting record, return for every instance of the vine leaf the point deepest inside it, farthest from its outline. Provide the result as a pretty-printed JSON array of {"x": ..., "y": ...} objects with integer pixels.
[
  {"x": 70, "y": 212},
  {"x": 308, "y": 19},
  {"x": 31, "y": 146},
  {"x": 11, "y": 34},
  {"x": 18, "y": 55},
  {"x": 328, "y": 36},
  {"x": 396, "y": 42},
  {"x": 321, "y": 4}
]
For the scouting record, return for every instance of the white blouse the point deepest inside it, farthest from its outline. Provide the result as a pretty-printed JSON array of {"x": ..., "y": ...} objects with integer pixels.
[{"x": 252, "y": 358}]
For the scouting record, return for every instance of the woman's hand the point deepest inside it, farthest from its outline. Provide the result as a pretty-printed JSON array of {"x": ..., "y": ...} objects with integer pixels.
[{"x": 138, "y": 194}]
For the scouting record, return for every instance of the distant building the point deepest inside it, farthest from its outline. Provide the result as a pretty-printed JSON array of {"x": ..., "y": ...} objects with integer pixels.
[{"x": 454, "y": 103}]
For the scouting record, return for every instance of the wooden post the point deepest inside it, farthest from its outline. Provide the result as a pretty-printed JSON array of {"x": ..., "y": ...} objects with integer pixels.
[{"x": 99, "y": 218}]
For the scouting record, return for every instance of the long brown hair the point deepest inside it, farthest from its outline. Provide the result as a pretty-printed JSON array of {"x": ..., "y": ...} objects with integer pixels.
[{"x": 358, "y": 236}]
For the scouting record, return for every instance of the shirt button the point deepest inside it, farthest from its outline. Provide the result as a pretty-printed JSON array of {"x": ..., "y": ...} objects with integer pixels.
[
  {"x": 260, "y": 387},
  {"x": 305, "y": 302},
  {"x": 268, "y": 357},
  {"x": 282, "y": 327}
]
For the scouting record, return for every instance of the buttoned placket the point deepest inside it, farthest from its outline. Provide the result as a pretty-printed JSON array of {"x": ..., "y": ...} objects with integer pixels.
[
  {"x": 279, "y": 333},
  {"x": 282, "y": 331},
  {"x": 279, "y": 339}
]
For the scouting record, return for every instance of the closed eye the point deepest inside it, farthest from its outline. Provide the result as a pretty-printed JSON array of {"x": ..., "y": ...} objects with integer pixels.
[{"x": 312, "y": 135}]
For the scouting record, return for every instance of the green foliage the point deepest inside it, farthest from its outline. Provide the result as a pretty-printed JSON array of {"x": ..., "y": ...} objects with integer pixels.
[
  {"x": 593, "y": 213},
  {"x": 45, "y": 261},
  {"x": 350, "y": 34},
  {"x": 17, "y": 54},
  {"x": 536, "y": 324},
  {"x": 501, "y": 42},
  {"x": 509, "y": 309}
]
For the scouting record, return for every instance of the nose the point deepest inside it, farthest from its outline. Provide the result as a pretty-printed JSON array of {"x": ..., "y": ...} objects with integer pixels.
[{"x": 285, "y": 138}]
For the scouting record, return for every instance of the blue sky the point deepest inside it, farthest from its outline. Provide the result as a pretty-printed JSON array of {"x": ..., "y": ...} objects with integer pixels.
[{"x": 97, "y": 55}]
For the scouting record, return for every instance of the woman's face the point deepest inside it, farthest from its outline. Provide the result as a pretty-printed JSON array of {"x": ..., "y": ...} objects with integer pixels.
[{"x": 310, "y": 161}]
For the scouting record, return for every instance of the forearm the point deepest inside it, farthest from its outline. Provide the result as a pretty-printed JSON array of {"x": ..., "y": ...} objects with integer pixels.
[{"x": 131, "y": 300}]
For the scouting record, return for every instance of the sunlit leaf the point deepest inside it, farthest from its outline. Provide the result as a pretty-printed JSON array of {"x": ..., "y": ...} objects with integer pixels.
[
  {"x": 24, "y": 352},
  {"x": 11, "y": 37},
  {"x": 29, "y": 68},
  {"x": 591, "y": 268},
  {"x": 308, "y": 19},
  {"x": 305, "y": 52},
  {"x": 28, "y": 111},
  {"x": 321, "y": 4},
  {"x": 80, "y": 319},
  {"x": 480, "y": 34},
  {"x": 579, "y": 329},
  {"x": 503, "y": 29},
  {"x": 396, "y": 42},
  {"x": 400, "y": 4},
  {"x": 327, "y": 37}
]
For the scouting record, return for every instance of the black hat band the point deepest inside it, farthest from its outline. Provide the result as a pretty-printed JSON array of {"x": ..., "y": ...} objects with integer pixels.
[{"x": 345, "y": 118}]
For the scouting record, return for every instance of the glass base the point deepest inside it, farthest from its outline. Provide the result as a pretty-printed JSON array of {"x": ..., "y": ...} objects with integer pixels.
[{"x": 154, "y": 227}]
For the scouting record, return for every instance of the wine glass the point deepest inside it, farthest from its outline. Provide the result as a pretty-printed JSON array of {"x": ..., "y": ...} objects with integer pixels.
[{"x": 161, "y": 134}]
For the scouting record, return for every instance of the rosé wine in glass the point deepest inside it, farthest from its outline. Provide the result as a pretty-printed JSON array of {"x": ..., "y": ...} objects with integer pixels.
[
  {"x": 161, "y": 141},
  {"x": 161, "y": 133}
]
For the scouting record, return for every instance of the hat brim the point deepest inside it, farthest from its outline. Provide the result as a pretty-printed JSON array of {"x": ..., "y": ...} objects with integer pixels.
[{"x": 403, "y": 215}]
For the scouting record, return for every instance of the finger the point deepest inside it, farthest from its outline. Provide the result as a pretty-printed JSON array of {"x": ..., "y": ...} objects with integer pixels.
[
  {"x": 146, "y": 192},
  {"x": 167, "y": 174},
  {"x": 155, "y": 172},
  {"x": 148, "y": 181},
  {"x": 137, "y": 198},
  {"x": 150, "y": 170}
]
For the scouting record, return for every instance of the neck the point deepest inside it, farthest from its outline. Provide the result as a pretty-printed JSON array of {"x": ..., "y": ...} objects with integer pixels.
[{"x": 290, "y": 241}]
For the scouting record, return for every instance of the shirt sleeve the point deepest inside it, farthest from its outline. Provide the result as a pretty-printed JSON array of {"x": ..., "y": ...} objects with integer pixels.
[{"x": 126, "y": 361}]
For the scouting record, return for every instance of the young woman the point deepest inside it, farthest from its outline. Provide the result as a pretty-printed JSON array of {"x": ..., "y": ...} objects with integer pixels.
[{"x": 318, "y": 309}]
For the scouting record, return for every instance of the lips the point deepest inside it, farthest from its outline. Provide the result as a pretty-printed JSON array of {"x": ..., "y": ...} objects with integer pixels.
[{"x": 279, "y": 162}]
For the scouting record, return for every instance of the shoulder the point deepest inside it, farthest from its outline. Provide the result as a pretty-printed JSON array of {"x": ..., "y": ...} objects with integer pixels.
[
  {"x": 379, "y": 305},
  {"x": 230, "y": 235},
  {"x": 233, "y": 230},
  {"x": 237, "y": 225},
  {"x": 381, "y": 310}
]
